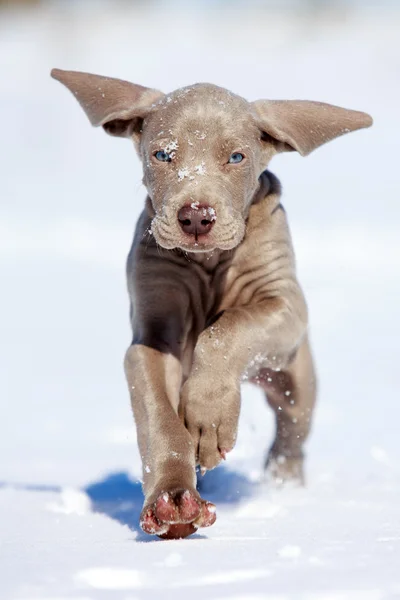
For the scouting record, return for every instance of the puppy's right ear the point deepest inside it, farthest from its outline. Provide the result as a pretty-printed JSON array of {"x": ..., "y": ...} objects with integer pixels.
[{"x": 118, "y": 106}]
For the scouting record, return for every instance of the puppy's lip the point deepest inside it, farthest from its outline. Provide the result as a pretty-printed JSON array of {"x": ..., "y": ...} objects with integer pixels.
[
  {"x": 201, "y": 246},
  {"x": 194, "y": 248},
  {"x": 197, "y": 247}
]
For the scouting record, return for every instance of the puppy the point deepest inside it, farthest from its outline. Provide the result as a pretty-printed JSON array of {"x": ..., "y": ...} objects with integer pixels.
[{"x": 211, "y": 279}]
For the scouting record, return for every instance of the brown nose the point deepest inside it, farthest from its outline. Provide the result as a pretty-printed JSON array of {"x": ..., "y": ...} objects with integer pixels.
[{"x": 196, "y": 219}]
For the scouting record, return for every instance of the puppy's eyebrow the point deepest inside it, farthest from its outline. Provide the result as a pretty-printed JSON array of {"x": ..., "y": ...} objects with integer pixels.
[
  {"x": 158, "y": 141},
  {"x": 167, "y": 144},
  {"x": 233, "y": 143}
]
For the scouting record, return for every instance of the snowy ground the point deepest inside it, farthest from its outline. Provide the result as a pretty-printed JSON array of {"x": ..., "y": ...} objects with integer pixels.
[{"x": 69, "y": 491}]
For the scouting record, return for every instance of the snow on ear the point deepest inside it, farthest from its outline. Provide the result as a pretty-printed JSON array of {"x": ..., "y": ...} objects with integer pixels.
[
  {"x": 304, "y": 125},
  {"x": 118, "y": 106}
]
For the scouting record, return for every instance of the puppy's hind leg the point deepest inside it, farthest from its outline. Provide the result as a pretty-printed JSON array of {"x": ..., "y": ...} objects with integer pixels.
[{"x": 291, "y": 393}]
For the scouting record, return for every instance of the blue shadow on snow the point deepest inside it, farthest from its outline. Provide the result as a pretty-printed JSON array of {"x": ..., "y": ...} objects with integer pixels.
[{"x": 121, "y": 498}]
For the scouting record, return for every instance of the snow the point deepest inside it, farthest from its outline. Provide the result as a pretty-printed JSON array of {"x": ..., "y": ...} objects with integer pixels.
[
  {"x": 110, "y": 579},
  {"x": 171, "y": 146},
  {"x": 184, "y": 172},
  {"x": 71, "y": 502},
  {"x": 200, "y": 169},
  {"x": 211, "y": 213},
  {"x": 289, "y": 552},
  {"x": 70, "y": 494}
]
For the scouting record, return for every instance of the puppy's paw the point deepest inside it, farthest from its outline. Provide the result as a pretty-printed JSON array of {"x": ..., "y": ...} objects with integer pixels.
[
  {"x": 177, "y": 514},
  {"x": 211, "y": 417},
  {"x": 282, "y": 470}
]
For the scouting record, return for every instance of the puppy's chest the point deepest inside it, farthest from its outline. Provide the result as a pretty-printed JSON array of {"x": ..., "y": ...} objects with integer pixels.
[
  {"x": 240, "y": 284},
  {"x": 233, "y": 283},
  {"x": 262, "y": 262}
]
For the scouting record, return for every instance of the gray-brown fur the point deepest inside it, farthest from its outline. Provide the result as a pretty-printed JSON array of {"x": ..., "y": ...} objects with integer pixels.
[{"x": 209, "y": 310}]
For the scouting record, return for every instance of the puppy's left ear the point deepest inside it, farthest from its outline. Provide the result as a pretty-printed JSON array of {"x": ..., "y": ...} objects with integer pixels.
[
  {"x": 118, "y": 106},
  {"x": 303, "y": 125}
]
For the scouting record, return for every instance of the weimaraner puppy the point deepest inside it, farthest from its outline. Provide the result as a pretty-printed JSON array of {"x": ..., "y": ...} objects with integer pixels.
[{"x": 211, "y": 277}]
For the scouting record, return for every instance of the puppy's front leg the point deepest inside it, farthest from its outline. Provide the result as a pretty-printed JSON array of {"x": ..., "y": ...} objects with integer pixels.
[
  {"x": 268, "y": 333},
  {"x": 173, "y": 507}
]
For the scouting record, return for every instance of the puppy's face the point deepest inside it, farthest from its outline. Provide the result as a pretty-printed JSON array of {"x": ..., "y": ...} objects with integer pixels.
[
  {"x": 204, "y": 148},
  {"x": 202, "y": 154}
]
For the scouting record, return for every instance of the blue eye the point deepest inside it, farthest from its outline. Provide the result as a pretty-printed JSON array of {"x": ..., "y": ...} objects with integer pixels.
[
  {"x": 235, "y": 158},
  {"x": 163, "y": 156}
]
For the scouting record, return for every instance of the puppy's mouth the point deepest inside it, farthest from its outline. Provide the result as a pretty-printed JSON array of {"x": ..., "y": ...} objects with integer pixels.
[{"x": 171, "y": 238}]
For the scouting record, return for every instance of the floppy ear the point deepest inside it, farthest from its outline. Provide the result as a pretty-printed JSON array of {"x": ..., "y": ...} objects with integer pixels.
[
  {"x": 117, "y": 105},
  {"x": 305, "y": 125}
]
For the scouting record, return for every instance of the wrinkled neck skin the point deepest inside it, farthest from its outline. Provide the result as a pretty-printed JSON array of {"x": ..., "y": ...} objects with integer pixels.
[{"x": 210, "y": 260}]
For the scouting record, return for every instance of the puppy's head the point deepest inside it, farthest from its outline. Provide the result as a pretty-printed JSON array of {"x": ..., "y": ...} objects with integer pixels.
[{"x": 204, "y": 148}]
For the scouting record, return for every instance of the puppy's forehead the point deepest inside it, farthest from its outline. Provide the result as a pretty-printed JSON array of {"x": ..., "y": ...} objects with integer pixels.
[
  {"x": 198, "y": 104},
  {"x": 205, "y": 94}
]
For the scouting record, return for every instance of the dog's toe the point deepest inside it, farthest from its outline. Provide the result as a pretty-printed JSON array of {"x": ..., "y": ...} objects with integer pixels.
[
  {"x": 189, "y": 506},
  {"x": 208, "y": 515},
  {"x": 209, "y": 454},
  {"x": 166, "y": 509},
  {"x": 150, "y": 524}
]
